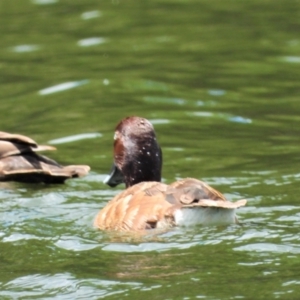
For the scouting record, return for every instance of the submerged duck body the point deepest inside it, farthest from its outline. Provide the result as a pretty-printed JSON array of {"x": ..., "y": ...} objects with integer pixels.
[
  {"x": 147, "y": 203},
  {"x": 20, "y": 162}
]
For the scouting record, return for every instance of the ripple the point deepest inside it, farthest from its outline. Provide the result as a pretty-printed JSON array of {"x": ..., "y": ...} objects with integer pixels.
[
  {"x": 202, "y": 114},
  {"x": 91, "y": 15},
  {"x": 75, "y": 243},
  {"x": 225, "y": 180},
  {"x": 216, "y": 92},
  {"x": 269, "y": 247},
  {"x": 106, "y": 81},
  {"x": 263, "y": 172},
  {"x": 74, "y": 138},
  {"x": 292, "y": 282},
  {"x": 292, "y": 59},
  {"x": 177, "y": 149},
  {"x": 91, "y": 41},
  {"x": 251, "y": 234},
  {"x": 159, "y": 121},
  {"x": 65, "y": 285},
  {"x": 25, "y": 48},
  {"x": 44, "y": 2},
  {"x": 239, "y": 119},
  {"x": 147, "y": 85},
  {"x": 205, "y": 103},
  {"x": 93, "y": 177},
  {"x": 62, "y": 87},
  {"x": 226, "y": 116},
  {"x": 146, "y": 247},
  {"x": 20, "y": 236},
  {"x": 46, "y": 199},
  {"x": 164, "y": 100},
  {"x": 294, "y": 218}
]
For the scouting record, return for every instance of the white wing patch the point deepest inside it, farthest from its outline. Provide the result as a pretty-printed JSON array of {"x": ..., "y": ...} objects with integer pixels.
[{"x": 204, "y": 215}]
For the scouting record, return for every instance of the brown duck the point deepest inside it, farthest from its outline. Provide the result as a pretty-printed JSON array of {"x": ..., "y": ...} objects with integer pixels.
[
  {"x": 147, "y": 203},
  {"x": 20, "y": 162}
]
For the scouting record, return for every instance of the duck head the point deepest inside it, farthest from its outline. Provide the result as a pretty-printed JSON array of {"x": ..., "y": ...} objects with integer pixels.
[{"x": 137, "y": 154}]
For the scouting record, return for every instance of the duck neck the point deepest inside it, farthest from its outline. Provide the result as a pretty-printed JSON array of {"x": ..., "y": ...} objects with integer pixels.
[{"x": 146, "y": 165}]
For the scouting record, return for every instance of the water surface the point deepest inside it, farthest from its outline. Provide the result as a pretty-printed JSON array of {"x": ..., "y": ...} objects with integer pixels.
[{"x": 220, "y": 83}]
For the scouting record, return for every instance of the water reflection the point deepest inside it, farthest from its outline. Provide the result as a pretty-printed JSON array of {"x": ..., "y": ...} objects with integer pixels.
[
  {"x": 205, "y": 103},
  {"x": 106, "y": 81},
  {"x": 44, "y": 2},
  {"x": 62, "y": 87},
  {"x": 72, "y": 243},
  {"x": 145, "y": 247},
  {"x": 217, "y": 93},
  {"x": 74, "y": 138},
  {"x": 223, "y": 81},
  {"x": 229, "y": 117},
  {"x": 25, "y": 48},
  {"x": 164, "y": 100},
  {"x": 269, "y": 247},
  {"x": 91, "y": 14},
  {"x": 147, "y": 85},
  {"x": 292, "y": 59},
  {"x": 91, "y": 41},
  {"x": 66, "y": 285},
  {"x": 159, "y": 121}
]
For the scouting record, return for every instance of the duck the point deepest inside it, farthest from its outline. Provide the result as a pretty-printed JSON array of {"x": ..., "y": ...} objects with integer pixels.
[
  {"x": 147, "y": 203},
  {"x": 19, "y": 161}
]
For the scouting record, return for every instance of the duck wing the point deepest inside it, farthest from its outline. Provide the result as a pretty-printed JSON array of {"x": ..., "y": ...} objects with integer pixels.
[
  {"x": 192, "y": 185},
  {"x": 19, "y": 162},
  {"x": 17, "y": 138},
  {"x": 8, "y": 148},
  {"x": 140, "y": 207},
  {"x": 191, "y": 192},
  {"x": 152, "y": 205}
]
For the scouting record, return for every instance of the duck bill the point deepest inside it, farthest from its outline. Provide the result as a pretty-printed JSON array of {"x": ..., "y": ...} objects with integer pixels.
[{"x": 115, "y": 177}]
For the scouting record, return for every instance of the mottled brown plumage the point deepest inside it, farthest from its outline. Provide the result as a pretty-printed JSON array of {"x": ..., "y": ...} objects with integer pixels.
[
  {"x": 137, "y": 208},
  {"x": 147, "y": 203},
  {"x": 20, "y": 162}
]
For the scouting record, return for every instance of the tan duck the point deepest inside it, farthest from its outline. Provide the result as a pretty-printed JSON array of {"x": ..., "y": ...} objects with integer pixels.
[
  {"x": 20, "y": 162},
  {"x": 147, "y": 203}
]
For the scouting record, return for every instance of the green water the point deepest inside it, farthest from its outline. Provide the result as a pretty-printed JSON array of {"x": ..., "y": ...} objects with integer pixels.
[{"x": 220, "y": 82}]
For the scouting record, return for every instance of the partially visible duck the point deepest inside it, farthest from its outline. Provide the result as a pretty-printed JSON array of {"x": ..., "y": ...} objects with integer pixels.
[
  {"x": 20, "y": 162},
  {"x": 147, "y": 203}
]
